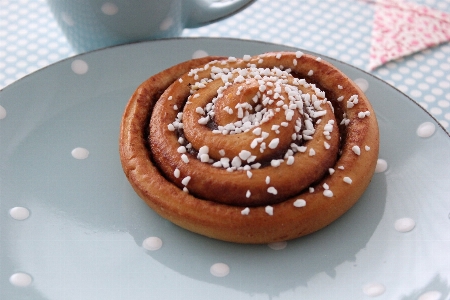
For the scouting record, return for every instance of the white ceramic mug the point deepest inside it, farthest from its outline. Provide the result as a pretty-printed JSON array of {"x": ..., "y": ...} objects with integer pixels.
[{"x": 94, "y": 24}]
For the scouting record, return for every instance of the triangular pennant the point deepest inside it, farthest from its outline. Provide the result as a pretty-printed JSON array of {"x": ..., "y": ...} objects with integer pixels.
[{"x": 402, "y": 28}]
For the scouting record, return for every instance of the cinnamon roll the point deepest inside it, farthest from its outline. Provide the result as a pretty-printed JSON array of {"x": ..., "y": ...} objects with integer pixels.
[{"x": 260, "y": 149}]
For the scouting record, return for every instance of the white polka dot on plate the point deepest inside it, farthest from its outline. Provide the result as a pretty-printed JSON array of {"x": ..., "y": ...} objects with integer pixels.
[
  {"x": 19, "y": 213},
  {"x": 277, "y": 245},
  {"x": 374, "y": 289},
  {"x": 431, "y": 295},
  {"x": 2, "y": 112},
  {"x": 80, "y": 153},
  {"x": 219, "y": 269},
  {"x": 362, "y": 83},
  {"x": 79, "y": 67},
  {"x": 199, "y": 54},
  {"x": 166, "y": 24},
  {"x": 152, "y": 243},
  {"x": 381, "y": 166},
  {"x": 426, "y": 129},
  {"x": 109, "y": 9},
  {"x": 20, "y": 279},
  {"x": 404, "y": 224},
  {"x": 67, "y": 19}
]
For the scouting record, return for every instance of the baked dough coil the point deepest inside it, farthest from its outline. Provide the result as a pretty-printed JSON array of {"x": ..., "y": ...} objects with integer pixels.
[{"x": 253, "y": 150}]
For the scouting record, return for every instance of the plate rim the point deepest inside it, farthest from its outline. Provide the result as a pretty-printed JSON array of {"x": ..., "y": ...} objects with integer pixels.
[{"x": 252, "y": 41}]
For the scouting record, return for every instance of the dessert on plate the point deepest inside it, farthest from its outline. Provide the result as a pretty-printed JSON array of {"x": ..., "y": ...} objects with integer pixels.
[{"x": 258, "y": 149}]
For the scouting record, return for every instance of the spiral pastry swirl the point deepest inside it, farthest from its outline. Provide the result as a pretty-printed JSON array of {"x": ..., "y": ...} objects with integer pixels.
[{"x": 252, "y": 150}]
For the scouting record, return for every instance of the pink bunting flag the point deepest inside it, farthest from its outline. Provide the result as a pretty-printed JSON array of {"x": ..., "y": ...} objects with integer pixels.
[{"x": 401, "y": 28}]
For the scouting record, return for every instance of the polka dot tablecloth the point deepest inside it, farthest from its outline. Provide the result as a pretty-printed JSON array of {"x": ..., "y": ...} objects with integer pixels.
[{"x": 30, "y": 39}]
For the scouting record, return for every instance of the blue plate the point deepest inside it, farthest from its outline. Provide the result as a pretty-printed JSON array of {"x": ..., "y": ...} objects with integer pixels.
[{"x": 73, "y": 228}]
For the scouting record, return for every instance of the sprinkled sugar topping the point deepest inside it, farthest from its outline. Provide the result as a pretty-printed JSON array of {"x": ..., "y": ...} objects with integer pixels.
[
  {"x": 356, "y": 150},
  {"x": 299, "y": 203},
  {"x": 277, "y": 92},
  {"x": 245, "y": 211},
  {"x": 268, "y": 96}
]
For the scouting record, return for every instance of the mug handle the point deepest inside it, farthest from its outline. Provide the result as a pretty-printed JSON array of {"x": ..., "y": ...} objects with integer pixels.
[{"x": 201, "y": 12}]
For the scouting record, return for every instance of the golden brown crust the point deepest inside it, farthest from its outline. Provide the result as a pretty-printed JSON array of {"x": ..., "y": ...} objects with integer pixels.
[{"x": 223, "y": 221}]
